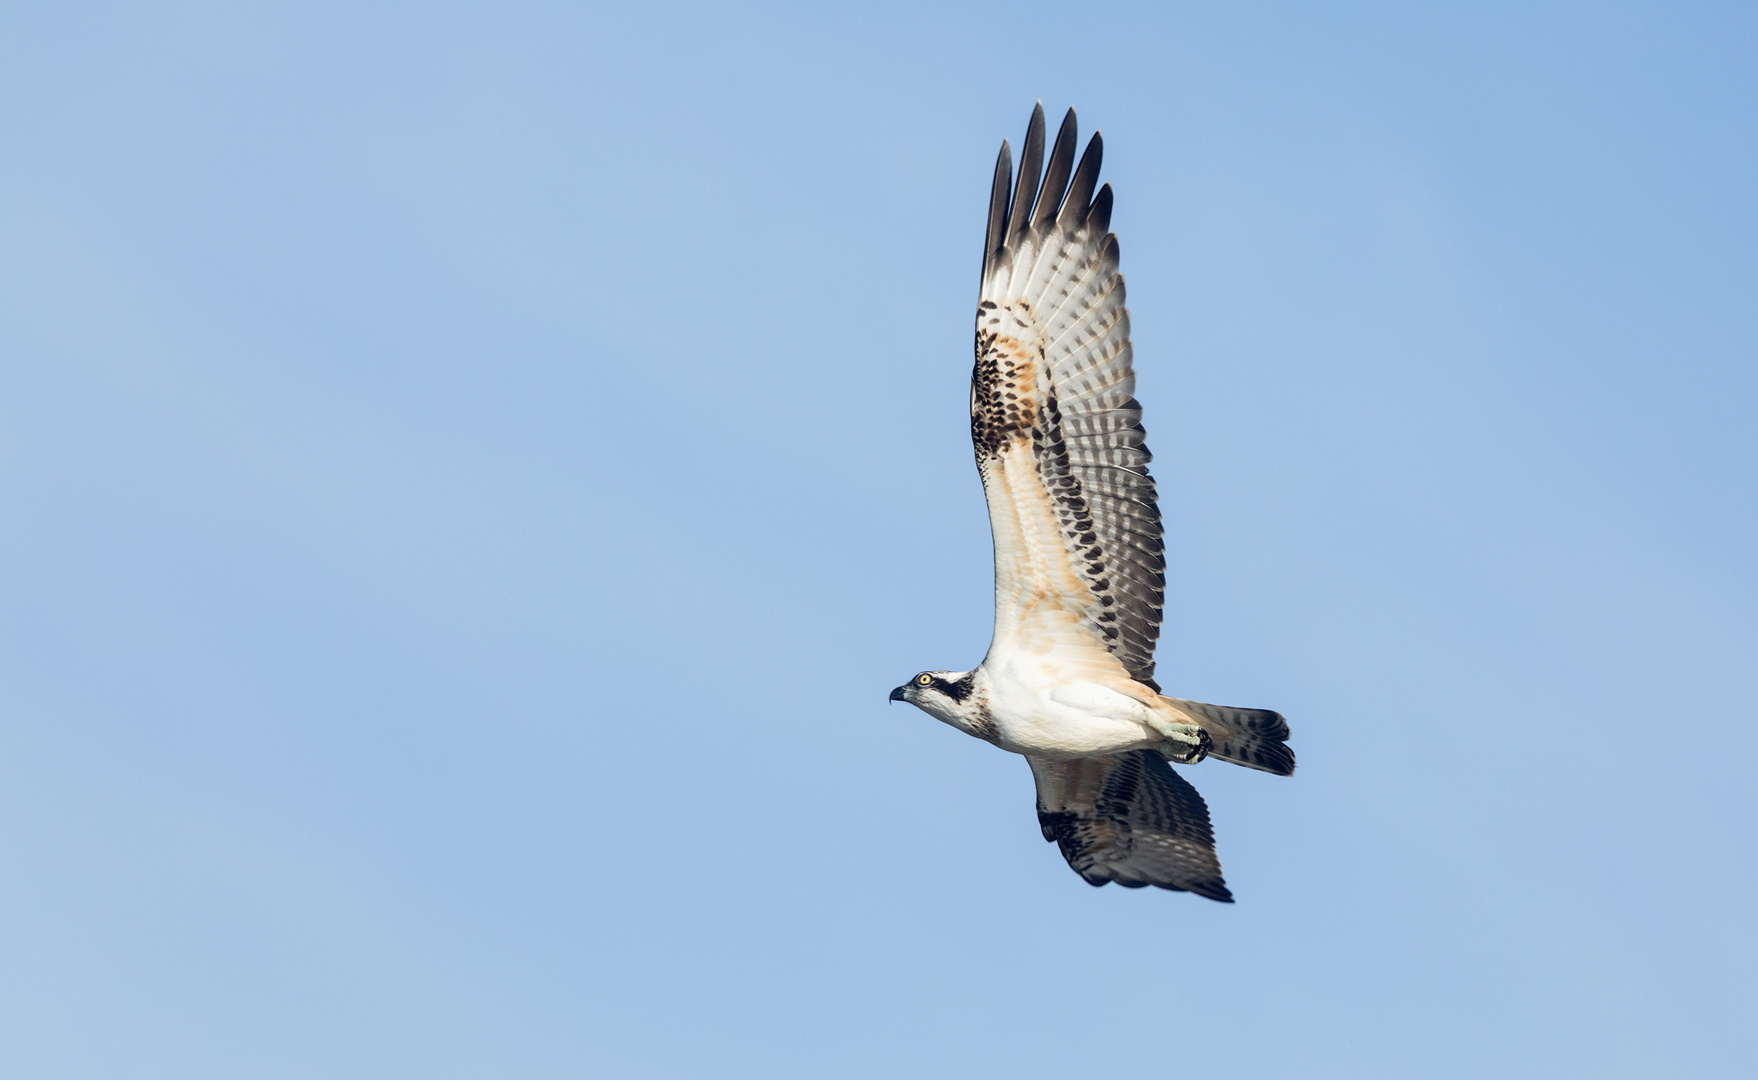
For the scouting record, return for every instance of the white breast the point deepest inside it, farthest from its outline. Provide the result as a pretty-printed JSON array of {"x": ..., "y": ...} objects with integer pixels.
[{"x": 1039, "y": 707}]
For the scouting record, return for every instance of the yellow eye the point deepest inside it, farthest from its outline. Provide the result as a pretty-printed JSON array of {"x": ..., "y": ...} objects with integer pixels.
[{"x": 924, "y": 680}]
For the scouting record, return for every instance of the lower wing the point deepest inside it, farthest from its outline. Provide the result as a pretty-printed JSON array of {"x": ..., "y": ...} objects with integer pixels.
[{"x": 1129, "y": 818}]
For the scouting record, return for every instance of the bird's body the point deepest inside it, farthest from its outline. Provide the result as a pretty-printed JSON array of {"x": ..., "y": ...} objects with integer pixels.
[
  {"x": 1068, "y": 681},
  {"x": 1036, "y": 705}
]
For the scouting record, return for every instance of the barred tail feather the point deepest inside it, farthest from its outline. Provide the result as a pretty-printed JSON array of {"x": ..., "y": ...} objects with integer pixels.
[{"x": 1255, "y": 738}]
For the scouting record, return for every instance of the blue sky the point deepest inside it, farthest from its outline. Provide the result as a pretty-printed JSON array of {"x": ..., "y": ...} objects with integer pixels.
[{"x": 471, "y": 474}]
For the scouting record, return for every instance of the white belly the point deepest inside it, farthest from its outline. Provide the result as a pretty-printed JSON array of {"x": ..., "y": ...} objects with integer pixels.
[{"x": 1064, "y": 718}]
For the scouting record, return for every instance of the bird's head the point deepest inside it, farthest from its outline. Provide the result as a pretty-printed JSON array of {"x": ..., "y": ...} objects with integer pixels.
[{"x": 944, "y": 695}]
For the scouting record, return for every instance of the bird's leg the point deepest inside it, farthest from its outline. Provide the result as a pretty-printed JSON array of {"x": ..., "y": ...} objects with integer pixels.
[
  {"x": 1187, "y": 750},
  {"x": 1186, "y": 743}
]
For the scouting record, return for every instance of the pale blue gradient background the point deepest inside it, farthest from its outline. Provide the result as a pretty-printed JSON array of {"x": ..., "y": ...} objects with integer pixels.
[{"x": 469, "y": 476}]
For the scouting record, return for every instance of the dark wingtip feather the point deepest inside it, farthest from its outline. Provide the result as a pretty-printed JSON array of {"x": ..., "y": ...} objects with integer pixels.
[
  {"x": 1025, "y": 191},
  {"x": 992, "y": 241},
  {"x": 1211, "y": 890},
  {"x": 1058, "y": 198},
  {"x": 1086, "y": 178},
  {"x": 1099, "y": 217},
  {"x": 1056, "y": 178}
]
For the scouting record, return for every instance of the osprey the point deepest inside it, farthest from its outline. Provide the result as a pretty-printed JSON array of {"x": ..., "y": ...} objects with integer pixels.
[{"x": 1068, "y": 681}]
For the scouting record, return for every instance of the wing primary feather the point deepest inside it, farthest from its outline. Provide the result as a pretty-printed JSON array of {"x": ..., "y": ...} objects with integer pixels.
[
  {"x": 1080, "y": 191},
  {"x": 1099, "y": 217},
  {"x": 992, "y": 242},
  {"x": 1056, "y": 179},
  {"x": 1031, "y": 160}
]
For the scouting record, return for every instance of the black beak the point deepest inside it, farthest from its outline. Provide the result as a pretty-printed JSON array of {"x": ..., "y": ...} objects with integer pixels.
[{"x": 897, "y": 695}]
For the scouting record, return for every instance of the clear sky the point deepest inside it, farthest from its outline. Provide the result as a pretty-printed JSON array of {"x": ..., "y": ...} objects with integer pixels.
[{"x": 470, "y": 474}]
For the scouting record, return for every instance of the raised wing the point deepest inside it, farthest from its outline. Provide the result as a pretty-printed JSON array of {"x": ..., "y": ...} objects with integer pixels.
[
  {"x": 1129, "y": 818},
  {"x": 1054, "y": 420}
]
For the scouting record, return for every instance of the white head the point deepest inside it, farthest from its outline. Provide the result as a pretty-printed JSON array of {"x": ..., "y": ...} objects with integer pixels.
[{"x": 951, "y": 697}]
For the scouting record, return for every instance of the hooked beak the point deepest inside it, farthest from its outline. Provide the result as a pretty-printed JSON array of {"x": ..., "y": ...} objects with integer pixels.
[{"x": 897, "y": 695}]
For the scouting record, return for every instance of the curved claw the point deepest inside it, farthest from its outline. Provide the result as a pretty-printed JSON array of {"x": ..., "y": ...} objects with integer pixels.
[{"x": 1187, "y": 749}]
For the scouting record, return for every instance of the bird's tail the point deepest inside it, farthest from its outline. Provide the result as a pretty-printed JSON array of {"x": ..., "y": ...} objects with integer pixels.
[{"x": 1255, "y": 738}]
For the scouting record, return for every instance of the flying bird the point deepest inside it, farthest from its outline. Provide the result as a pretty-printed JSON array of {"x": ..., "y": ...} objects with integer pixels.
[{"x": 1068, "y": 681}]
